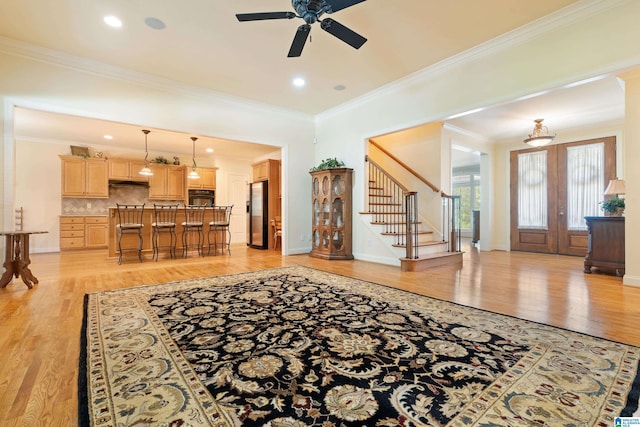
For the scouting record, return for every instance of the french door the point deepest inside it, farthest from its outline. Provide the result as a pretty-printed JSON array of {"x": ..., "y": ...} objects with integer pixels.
[{"x": 553, "y": 188}]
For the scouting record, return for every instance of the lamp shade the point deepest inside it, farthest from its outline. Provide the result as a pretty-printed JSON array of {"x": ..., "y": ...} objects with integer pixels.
[{"x": 615, "y": 187}]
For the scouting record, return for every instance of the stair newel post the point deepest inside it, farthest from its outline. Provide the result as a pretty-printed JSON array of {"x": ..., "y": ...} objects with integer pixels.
[
  {"x": 411, "y": 235},
  {"x": 453, "y": 222}
]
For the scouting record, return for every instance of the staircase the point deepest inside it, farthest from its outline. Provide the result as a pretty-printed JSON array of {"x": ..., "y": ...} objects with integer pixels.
[{"x": 392, "y": 211}]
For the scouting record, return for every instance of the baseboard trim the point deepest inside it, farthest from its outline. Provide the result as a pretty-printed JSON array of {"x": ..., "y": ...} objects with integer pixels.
[{"x": 631, "y": 280}]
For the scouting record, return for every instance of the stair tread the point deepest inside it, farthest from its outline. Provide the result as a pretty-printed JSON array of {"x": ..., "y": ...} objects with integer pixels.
[
  {"x": 382, "y": 213},
  {"x": 388, "y": 233},
  {"x": 393, "y": 223},
  {"x": 435, "y": 255},
  {"x": 421, "y": 244}
]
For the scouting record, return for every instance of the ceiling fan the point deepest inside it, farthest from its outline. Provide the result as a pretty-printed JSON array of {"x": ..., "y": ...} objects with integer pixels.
[{"x": 311, "y": 11}]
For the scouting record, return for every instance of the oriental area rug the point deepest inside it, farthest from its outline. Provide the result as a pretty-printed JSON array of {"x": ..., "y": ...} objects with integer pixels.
[{"x": 293, "y": 347}]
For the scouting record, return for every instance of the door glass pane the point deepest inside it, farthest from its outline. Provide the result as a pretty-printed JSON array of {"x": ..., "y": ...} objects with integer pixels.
[
  {"x": 532, "y": 190},
  {"x": 585, "y": 183}
]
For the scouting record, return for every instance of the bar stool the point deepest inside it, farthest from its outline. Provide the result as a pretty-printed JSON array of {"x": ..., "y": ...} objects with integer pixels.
[
  {"x": 129, "y": 222},
  {"x": 164, "y": 222},
  {"x": 193, "y": 223},
  {"x": 220, "y": 225}
]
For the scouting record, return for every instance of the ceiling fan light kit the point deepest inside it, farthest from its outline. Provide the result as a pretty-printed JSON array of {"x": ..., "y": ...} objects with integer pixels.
[{"x": 311, "y": 11}]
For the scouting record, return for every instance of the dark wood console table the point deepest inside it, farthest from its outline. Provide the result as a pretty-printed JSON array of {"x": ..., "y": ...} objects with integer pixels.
[
  {"x": 606, "y": 243},
  {"x": 16, "y": 258}
]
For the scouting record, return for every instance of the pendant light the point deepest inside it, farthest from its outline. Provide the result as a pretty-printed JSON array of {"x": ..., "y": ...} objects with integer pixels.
[
  {"x": 146, "y": 171},
  {"x": 193, "y": 174}
]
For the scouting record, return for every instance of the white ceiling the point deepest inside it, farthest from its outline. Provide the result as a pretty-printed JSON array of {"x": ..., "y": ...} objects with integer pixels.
[{"x": 203, "y": 45}]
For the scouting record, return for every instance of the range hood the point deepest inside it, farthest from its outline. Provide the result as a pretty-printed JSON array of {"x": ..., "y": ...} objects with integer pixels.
[{"x": 121, "y": 183}]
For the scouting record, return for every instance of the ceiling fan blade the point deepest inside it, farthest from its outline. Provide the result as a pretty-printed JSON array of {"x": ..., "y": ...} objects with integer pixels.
[
  {"x": 336, "y": 5},
  {"x": 343, "y": 33},
  {"x": 299, "y": 40},
  {"x": 242, "y": 17}
]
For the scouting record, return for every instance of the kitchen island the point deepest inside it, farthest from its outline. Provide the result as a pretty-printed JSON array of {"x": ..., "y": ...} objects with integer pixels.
[{"x": 131, "y": 241}]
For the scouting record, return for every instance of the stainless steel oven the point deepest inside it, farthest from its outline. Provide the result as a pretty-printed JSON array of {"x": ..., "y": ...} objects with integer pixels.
[{"x": 202, "y": 197}]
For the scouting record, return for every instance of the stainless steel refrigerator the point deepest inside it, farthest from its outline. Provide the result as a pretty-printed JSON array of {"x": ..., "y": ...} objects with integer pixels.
[{"x": 257, "y": 215}]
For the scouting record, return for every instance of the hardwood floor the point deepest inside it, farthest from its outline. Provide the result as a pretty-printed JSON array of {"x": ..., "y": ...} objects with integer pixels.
[{"x": 40, "y": 328}]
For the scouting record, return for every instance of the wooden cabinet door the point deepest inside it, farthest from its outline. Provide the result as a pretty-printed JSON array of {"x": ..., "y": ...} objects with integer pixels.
[
  {"x": 207, "y": 178},
  {"x": 134, "y": 171},
  {"x": 175, "y": 183},
  {"x": 118, "y": 169},
  {"x": 97, "y": 182},
  {"x": 73, "y": 177},
  {"x": 158, "y": 182},
  {"x": 261, "y": 171},
  {"x": 96, "y": 235},
  {"x": 194, "y": 183}
]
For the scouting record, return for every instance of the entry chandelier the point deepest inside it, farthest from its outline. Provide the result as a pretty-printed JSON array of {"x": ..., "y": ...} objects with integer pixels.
[
  {"x": 146, "y": 171},
  {"x": 540, "y": 135},
  {"x": 193, "y": 174}
]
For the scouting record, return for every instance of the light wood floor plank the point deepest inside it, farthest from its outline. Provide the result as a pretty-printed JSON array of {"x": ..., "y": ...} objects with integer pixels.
[{"x": 40, "y": 328}]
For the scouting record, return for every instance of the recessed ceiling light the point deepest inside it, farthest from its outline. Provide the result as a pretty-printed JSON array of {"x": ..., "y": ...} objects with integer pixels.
[
  {"x": 154, "y": 23},
  {"x": 299, "y": 82},
  {"x": 209, "y": 150},
  {"x": 113, "y": 21},
  {"x": 108, "y": 137},
  {"x": 339, "y": 87}
]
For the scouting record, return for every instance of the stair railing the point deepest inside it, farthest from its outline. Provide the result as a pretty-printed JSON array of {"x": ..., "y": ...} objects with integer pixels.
[
  {"x": 451, "y": 218},
  {"x": 394, "y": 207}
]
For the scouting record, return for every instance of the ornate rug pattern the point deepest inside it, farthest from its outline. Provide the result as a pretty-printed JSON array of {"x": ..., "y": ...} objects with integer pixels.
[{"x": 293, "y": 347}]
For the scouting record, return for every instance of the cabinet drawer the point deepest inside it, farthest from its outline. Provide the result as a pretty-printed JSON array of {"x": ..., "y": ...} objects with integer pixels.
[
  {"x": 72, "y": 243},
  {"x": 72, "y": 227},
  {"x": 71, "y": 220},
  {"x": 71, "y": 233},
  {"x": 95, "y": 220}
]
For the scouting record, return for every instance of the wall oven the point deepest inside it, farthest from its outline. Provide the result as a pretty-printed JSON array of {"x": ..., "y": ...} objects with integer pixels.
[{"x": 202, "y": 197}]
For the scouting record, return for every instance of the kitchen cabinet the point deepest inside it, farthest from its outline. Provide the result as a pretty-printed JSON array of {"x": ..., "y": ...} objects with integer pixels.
[
  {"x": 126, "y": 170},
  {"x": 331, "y": 213},
  {"x": 605, "y": 246},
  {"x": 207, "y": 180},
  {"x": 84, "y": 178},
  {"x": 96, "y": 233},
  {"x": 83, "y": 232},
  {"x": 266, "y": 170},
  {"x": 167, "y": 182}
]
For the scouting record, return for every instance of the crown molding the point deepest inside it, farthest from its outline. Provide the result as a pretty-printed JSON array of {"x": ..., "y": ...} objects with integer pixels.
[
  {"x": 575, "y": 12},
  {"x": 50, "y": 56}
]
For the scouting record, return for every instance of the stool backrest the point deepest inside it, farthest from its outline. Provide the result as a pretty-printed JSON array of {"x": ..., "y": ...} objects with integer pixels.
[
  {"x": 194, "y": 215},
  {"x": 130, "y": 214},
  {"x": 165, "y": 214},
  {"x": 221, "y": 215}
]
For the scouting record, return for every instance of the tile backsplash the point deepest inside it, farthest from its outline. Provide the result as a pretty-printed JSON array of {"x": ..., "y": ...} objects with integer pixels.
[{"x": 123, "y": 194}]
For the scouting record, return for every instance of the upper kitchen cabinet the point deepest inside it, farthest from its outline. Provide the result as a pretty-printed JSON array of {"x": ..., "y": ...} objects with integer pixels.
[
  {"x": 126, "y": 170},
  {"x": 207, "y": 180},
  {"x": 84, "y": 178},
  {"x": 167, "y": 182},
  {"x": 266, "y": 170}
]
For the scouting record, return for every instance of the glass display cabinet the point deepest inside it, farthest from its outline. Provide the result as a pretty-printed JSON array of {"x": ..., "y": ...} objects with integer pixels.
[{"x": 331, "y": 213}]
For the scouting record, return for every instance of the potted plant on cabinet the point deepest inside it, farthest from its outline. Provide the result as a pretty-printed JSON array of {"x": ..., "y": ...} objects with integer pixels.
[
  {"x": 614, "y": 206},
  {"x": 328, "y": 164}
]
